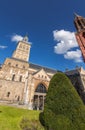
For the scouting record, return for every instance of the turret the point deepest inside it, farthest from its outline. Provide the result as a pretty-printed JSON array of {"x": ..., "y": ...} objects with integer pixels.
[{"x": 22, "y": 51}]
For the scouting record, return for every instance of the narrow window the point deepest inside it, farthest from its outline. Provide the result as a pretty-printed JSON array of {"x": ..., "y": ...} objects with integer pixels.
[
  {"x": 83, "y": 21},
  {"x": 27, "y": 48},
  {"x": 13, "y": 77},
  {"x": 20, "y": 78},
  {"x": 18, "y": 98},
  {"x": 83, "y": 34},
  {"x": 0, "y": 86},
  {"x": 9, "y": 63},
  {"x": 16, "y": 65},
  {"x": 38, "y": 76},
  {"x": 23, "y": 67},
  {"x": 8, "y": 94},
  {"x": 79, "y": 23},
  {"x": 45, "y": 77},
  {"x": 20, "y": 46}
]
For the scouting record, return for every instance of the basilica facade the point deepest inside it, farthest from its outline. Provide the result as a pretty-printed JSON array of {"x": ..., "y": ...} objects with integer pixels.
[
  {"x": 21, "y": 81},
  {"x": 27, "y": 83}
]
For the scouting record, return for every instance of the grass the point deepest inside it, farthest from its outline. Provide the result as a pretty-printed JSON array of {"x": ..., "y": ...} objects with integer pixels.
[{"x": 10, "y": 117}]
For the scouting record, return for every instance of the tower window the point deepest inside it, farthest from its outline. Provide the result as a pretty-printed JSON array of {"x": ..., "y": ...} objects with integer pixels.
[
  {"x": 23, "y": 67},
  {"x": 23, "y": 47},
  {"x": 83, "y": 34},
  {"x": 20, "y": 46},
  {"x": 83, "y": 21},
  {"x": 9, "y": 63},
  {"x": 8, "y": 94},
  {"x": 13, "y": 77},
  {"x": 38, "y": 76},
  {"x": 80, "y": 24},
  {"x": 27, "y": 48},
  {"x": 18, "y": 98},
  {"x": 45, "y": 77}
]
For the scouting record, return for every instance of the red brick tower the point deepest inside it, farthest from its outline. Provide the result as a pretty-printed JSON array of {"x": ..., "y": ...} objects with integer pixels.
[{"x": 79, "y": 22}]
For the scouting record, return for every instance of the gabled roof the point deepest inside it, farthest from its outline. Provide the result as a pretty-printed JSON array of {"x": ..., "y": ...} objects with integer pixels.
[
  {"x": 38, "y": 67},
  {"x": 41, "y": 73}
]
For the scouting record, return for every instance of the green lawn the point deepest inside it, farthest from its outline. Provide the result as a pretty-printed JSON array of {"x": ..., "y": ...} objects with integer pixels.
[{"x": 10, "y": 117}]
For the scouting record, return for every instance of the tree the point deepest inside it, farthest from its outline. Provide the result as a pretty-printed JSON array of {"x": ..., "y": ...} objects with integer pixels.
[{"x": 64, "y": 110}]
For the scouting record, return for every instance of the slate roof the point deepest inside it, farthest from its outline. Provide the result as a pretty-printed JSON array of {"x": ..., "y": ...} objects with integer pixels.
[
  {"x": 72, "y": 72},
  {"x": 38, "y": 67}
]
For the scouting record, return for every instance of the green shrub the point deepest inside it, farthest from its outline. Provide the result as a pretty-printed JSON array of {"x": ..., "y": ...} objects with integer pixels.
[
  {"x": 64, "y": 110},
  {"x": 41, "y": 118},
  {"x": 27, "y": 124}
]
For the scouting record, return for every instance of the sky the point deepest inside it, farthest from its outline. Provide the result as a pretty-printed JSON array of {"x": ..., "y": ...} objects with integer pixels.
[{"x": 49, "y": 25}]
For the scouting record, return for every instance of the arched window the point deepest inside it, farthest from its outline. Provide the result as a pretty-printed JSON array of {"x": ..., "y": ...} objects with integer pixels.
[
  {"x": 41, "y": 89},
  {"x": 13, "y": 77},
  {"x": 20, "y": 78},
  {"x": 79, "y": 23}
]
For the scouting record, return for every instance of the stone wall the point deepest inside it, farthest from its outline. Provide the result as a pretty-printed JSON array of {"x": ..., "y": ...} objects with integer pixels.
[{"x": 11, "y": 91}]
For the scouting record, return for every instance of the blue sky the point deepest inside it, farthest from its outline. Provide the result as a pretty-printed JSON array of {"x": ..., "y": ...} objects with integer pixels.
[{"x": 50, "y": 28}]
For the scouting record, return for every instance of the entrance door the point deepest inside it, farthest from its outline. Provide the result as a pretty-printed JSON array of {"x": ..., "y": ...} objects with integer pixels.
[{"x": 39, "y": 97}]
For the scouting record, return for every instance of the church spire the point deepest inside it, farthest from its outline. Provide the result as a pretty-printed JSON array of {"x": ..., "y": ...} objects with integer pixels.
[
  {"x": 79, "y": 22},
  {"x": 76, "y": 15}
]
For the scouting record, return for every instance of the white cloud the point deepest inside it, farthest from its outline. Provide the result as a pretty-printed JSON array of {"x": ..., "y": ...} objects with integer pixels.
[
  {"x": 3, "y": 47},
  {"x": 65, "y": 41},
  {"x": 16, "y": 38},
  {"x": 73, "y": 55}
]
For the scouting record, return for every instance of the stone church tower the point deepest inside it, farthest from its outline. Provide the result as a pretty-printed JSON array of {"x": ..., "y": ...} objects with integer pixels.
[
  {"x": 21, "y": 81},
  {"x": 79, "y": 22},
  {"x": 26, "y": 83},
  {"x": 22, "y": 51}
]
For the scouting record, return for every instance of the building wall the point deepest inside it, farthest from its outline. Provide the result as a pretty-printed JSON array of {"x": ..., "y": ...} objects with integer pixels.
[
  {"x": 77, "y": 78},
  {"x": 11, "y": 91},
  {"x": 14, "y": 89}
]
